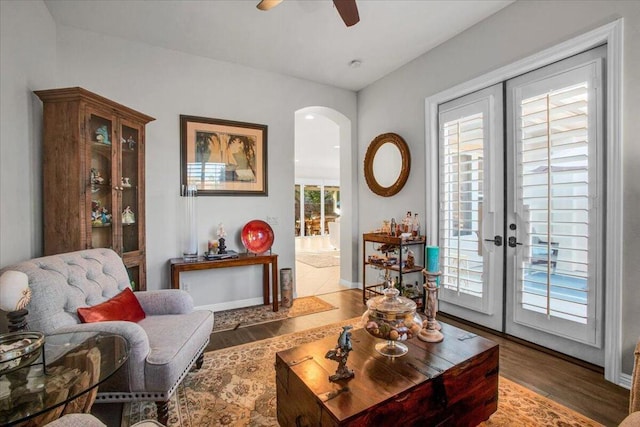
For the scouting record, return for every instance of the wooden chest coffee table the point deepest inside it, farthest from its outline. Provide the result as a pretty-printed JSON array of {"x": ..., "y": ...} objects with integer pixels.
[{"x": 454, "y": 382}]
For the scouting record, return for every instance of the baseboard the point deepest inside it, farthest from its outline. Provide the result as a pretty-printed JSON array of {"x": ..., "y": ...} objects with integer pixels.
[
  {"x": 231, "y": 304},
  {"x": 625, "y": 381},
  {"x": 348, "y": 284}
]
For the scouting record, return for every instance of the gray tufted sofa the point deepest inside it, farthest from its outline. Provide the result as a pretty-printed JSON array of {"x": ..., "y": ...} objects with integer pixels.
[{"x": 162, "y": 347}]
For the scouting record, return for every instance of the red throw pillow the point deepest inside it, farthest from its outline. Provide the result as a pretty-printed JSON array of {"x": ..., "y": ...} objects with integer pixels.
[{"x": 124, "y": 306}]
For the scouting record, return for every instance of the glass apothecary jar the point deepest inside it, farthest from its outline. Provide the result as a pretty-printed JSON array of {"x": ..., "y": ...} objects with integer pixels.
[{"x": 392, "y": 318}]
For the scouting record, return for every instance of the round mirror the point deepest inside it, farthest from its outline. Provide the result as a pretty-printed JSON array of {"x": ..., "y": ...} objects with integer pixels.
[{"x": 387, "y": 164}]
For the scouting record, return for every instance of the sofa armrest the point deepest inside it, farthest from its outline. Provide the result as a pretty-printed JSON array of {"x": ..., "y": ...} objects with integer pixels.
[
  {"x": 134, "y": 334},
  {"x": 132, "y": 374},
  {"x": 166, "y": 301}
]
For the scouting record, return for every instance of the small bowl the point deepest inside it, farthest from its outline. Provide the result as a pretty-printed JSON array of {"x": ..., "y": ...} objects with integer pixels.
[{"x": 27, "y": 353}]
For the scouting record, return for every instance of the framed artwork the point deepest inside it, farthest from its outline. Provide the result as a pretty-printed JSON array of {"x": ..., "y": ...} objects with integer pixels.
[{"x": 223, "y": 157}]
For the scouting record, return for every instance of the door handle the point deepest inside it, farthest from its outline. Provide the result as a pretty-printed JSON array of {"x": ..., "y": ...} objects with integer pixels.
[
  {"x": 497, "y": 240},
  {"x": 513, "y": 242}
]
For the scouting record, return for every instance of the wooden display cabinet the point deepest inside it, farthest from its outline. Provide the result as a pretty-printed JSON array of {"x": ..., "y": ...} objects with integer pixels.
[
  {"x": 377, "y": 264},
  {"x": 94, "y": 177}
]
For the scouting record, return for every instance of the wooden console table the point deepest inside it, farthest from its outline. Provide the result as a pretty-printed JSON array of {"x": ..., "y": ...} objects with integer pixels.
[{"x": 178, "y": 265}]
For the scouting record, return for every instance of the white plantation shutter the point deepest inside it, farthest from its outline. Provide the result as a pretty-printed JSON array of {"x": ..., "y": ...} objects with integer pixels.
[
  {"x": 461, "y": 195},
  {"x": 554, "y": 185},
  {"x": 557, "y": 196},
  {"x": 470, "y": 157}
]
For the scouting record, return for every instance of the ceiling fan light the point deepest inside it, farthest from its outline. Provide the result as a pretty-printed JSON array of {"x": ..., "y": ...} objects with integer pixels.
[{"x": 268, "y": 4}]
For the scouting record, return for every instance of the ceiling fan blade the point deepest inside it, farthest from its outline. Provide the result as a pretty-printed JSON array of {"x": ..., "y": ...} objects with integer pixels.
[
  {"x": 268, "y": 4},
  {"x": 348, "y": 11}
]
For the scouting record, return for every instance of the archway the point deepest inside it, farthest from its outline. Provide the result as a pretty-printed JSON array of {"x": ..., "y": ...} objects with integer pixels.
[{"x": 338, "y": 144}]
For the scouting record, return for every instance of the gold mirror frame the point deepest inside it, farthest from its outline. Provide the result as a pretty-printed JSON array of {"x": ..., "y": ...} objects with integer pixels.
[{"x": 369, "y": 176}]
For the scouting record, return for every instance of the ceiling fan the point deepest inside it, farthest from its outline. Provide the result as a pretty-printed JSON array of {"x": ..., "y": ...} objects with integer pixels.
[{"x": 347, "y": 9}]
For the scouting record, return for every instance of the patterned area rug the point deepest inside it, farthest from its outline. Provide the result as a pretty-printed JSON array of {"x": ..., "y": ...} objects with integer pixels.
[
  {"x": 236, "y": 387},
  {"x": 319, "y": 259},
  {"x": 247, "y": 316}
]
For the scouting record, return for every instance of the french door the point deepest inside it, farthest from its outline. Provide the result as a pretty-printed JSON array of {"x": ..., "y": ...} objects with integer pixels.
[
  {"x": 472, "y": 207},
  {"x": 520, "y": 222}
]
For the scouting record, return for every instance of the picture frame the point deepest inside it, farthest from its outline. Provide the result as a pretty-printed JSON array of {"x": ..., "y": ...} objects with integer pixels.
[{"x": 223, "y": 157}]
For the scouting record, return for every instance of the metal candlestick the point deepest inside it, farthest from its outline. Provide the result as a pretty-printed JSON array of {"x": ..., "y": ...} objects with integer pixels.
[{"x": 429, "y": 331}]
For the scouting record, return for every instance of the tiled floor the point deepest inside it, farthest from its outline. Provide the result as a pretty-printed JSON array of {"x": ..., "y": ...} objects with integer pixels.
[
  {"x": 316, "y": 281},
  {"x": 311, "y": 280}
]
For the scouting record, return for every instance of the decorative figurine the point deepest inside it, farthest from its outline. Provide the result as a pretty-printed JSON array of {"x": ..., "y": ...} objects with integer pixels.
[
  {"x": 105, "y": 216},
  {"x": 411, "y": 259},
  {"x": 128, "y": 217},
  {"x": 132, "y": 143},
  {"x": 125, "y": 182},
  {"x": 96, "y": 216},
  {"x": 102, "y": 135},
  {"x": 340, "y": 354},
  {"x": 429, "y": 331},
  {"x": 96, "y": 178},
  {"x": 222, "y": 249}
]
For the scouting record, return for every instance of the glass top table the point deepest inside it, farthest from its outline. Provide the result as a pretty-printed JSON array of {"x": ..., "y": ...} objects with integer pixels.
[{"x": 67, "y": 374}]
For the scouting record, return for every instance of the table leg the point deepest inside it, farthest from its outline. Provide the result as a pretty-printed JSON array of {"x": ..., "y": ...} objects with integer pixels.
[
  {"x": 175, "y": 278},
  {"x": 274, "y": 282},
  {"x": 265, "y": 284}
]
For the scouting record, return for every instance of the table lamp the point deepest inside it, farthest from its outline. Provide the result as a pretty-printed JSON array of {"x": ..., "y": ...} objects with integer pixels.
[{"x": 14, "y": 297}]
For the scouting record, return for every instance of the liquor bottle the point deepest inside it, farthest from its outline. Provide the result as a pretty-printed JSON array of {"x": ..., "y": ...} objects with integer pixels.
[
  {"x": 407, "y": 223},
  {"x": 415, "y": 230},
  {"x": 393, "y": 226}
]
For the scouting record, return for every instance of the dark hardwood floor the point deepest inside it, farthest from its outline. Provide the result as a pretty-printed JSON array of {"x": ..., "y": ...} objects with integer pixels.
[
  {"x": 572, "y": 384},
  {"x": 564, "y": 381}
]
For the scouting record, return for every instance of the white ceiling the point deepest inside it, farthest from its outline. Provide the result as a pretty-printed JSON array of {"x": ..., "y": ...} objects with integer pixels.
[{"x": 300, "y": 38}]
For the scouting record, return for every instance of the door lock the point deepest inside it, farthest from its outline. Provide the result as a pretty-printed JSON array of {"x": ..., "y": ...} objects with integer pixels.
[
  {"x": 513, "y": 242},
  {"x": 497, "y": 240}
]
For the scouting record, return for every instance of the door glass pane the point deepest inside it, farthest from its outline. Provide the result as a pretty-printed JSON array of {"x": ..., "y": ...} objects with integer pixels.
[
  {"x": 331, "y": 205},
  {"x": 100, "y": 133},
  {"x": 129, "y": 183},
  {"x": 461, "y": 194},
  {"x": 553, "y": 185},
  {"x": 312, "y": 208}
]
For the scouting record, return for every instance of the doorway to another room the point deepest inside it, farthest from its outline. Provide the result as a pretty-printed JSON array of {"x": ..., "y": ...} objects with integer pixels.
[{"x": 317, "y": 204}]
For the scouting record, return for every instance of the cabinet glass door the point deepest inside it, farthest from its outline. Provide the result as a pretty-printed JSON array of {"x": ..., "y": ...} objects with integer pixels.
[
  {"x": 130, "y": 187},
  {"x": 100, "y": 137}
]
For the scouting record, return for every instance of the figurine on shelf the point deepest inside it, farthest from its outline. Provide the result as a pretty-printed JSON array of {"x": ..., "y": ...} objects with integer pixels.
[
  {"x": 105, "y": 216},
  {"x": 96, "y": 177},
  {"x": 411, "y": 260},
  {"x": 96, "y": 216},
  {"x": 128, "y": 217},
  {"x": 102, "y": 135},
  {"x": 222, "y": 249},
  {"x": 340, "y": 354},
  {"x": 125, "y": 182},
  {"x": 132, "y": 143}
]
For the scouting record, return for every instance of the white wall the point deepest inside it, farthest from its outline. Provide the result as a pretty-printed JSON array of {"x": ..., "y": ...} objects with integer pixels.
[
  {"x": 396, "y": 104},
  {"x": 27, "y": 58},
  {"x": 164, "y": 84}
]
